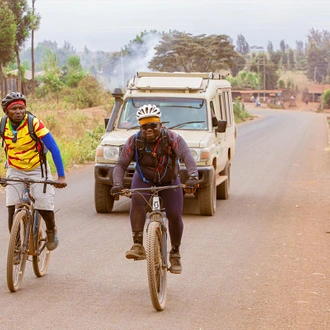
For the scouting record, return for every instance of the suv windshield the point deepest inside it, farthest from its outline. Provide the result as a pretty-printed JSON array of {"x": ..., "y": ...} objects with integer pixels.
[{"x": 179, "y": 113}]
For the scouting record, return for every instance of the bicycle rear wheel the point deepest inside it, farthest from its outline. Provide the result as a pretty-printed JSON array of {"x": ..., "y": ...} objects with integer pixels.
[
  {"x": 156, "y": 266},
  {"x": 40, "y": 261},
  {"x": 17, "y": 254}
]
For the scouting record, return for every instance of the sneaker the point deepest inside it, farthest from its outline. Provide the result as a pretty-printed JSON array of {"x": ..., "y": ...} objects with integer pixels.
[
  {"x": 176, "y": 267},
  {"x": 52, "y": 239},
  {"x": 136, "y": 252}
]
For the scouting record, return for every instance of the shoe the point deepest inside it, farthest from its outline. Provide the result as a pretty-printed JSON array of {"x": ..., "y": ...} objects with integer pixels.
[
  {"x": 176, "y": 267},
  {"x": 137, "y": 252},
  {"x": 52, "y": 239}
]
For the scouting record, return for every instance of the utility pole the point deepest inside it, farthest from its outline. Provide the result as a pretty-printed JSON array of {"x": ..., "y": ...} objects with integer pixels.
[
  {"x": 315, "y": 74},
  {"x": 258, "y": 78},
  {"x": 264, "y": 81},
  {"x": 322, "y": 95}
]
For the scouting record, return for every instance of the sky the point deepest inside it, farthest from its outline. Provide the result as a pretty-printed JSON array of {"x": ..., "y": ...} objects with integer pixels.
[{"x": 109, "y": 25}]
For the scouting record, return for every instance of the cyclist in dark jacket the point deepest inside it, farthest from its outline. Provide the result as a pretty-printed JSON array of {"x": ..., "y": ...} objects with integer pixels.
[{"x": 156, "y": 151}]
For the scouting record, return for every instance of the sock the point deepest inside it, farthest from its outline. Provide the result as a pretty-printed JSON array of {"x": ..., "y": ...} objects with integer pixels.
[
  {"x": 175, "y": 248},
  {"x": 138, "y": 237}
]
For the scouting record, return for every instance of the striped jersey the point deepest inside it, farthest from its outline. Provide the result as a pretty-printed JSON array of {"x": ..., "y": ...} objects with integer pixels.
[{"x": 23, "y": 154}]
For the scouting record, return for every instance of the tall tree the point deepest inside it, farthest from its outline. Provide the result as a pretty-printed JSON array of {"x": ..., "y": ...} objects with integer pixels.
[
  {"x": 242, "y": 46},
  {"x": 318, "y": 54},
  {"x": 184, "y": 52},
  {"x": 35, "y": 24},
  {"x": 22, "y": 14},
  {"x": 7, "y": 38}
]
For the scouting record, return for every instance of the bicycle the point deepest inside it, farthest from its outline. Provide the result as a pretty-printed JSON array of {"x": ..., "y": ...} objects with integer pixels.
[
  {"x": 27, "y": 236},
  {"x": 156, "y": 243}
]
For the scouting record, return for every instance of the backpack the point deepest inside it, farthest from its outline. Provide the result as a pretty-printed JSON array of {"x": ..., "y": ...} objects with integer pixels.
[
  {"x": 40, "y": 146},
  {"x": 166, "y": 149}
]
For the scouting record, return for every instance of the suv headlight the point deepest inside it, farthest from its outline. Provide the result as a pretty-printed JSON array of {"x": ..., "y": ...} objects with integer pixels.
[
  {"x": 107, "y": 152},
  {"x": 200, "y": 154}
]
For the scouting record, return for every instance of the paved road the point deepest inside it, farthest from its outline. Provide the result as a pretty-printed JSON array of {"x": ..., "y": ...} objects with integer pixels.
[{"x": 260, "y": 263}]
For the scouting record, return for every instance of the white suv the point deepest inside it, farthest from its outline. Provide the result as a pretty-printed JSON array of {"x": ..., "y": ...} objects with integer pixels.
[{"x": 198, "y": 106}]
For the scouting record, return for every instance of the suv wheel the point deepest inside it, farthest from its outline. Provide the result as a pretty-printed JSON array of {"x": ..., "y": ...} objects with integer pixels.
[
  {"x": 103, "y": 200},
  {"x": 224, "y": 187},
  {"x": 207, "y": 197}
]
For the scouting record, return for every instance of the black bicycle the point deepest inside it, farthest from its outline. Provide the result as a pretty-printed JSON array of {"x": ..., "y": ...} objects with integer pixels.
[
  {"x": 156, "y": 243},
  {"x": 27, "y": 237}
]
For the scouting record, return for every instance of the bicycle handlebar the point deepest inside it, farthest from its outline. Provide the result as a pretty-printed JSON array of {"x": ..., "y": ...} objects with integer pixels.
[
  {"x": 152, "y": 189},
  {"x": 4, "y": 181}
]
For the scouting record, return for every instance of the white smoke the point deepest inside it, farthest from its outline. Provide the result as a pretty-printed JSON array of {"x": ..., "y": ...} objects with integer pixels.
[{"x": 138, "y": 60}]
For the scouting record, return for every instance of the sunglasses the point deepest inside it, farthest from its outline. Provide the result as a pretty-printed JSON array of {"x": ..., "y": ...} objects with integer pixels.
[{"x": 149, "y": 125}]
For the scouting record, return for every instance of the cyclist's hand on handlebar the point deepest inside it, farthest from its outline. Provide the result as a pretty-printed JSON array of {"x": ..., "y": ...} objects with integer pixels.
[
  {"x": 118, "y": 188},
  {"x": 60, "y": 182},
  {"x": 191, "y": 185}
]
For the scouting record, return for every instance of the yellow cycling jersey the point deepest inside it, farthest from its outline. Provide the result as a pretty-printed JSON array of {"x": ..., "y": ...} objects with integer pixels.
[{"x": 23, "y": 153}]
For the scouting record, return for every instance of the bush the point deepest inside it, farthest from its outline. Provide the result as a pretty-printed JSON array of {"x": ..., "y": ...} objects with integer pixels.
[
  {"x": 326, "y": 97},
  {"x": 239, "y": 112}
]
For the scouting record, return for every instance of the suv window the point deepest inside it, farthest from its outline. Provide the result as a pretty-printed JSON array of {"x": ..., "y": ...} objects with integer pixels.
[{"x": 178, "y": 113}]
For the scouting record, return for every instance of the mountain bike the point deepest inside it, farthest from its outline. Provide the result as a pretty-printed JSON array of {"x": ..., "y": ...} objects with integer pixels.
[
  {"x": 27, "y": 236},
  {"x": 156, "y": 243}
]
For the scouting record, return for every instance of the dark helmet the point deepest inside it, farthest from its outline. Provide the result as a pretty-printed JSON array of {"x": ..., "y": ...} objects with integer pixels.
[{"x": 12, "y": 97}]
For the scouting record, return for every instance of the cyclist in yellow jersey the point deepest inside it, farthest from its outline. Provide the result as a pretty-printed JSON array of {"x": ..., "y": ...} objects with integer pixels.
[{"x": 23, "y": 160}]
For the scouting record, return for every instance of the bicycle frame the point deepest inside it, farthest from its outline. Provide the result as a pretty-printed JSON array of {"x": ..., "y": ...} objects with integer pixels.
[
  {"x": 27, "y": 237},
  {"x": 156, "y": 245},
  {"x": 155, "y": 207}
]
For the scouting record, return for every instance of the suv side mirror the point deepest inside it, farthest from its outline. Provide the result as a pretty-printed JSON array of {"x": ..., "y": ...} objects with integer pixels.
[{"x": 222, "y": 125}]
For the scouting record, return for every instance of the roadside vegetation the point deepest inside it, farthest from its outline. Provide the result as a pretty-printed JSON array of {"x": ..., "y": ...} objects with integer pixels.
[{"x": 65, "y": 82}]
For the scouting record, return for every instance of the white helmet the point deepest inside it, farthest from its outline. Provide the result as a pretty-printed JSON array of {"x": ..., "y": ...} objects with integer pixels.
[{"x": 148, "y": 110}]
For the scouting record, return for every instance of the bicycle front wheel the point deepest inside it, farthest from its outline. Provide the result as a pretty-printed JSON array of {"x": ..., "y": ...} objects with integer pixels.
[
  {"x": 156, "y": 265},
  {"x": 17, "y": 254},
  {"x": 41, "y": 259}
]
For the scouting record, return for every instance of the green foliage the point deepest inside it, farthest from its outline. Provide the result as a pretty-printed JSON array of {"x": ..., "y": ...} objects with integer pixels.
[
  {"x": 179, "y": 51},
  {"x": 240, "y": 112},
  {"x": 244, "y": 80},
  {"x": 281, "y": 83},
  {"x": 78, "y": 150},
  {"x": 326, "y": 97},
  {"x": 7, "y": 33},
  {"x": 74, "y": 72},
  {"x": 88, "y": 93},
  {"x": 318, "y": 50}
]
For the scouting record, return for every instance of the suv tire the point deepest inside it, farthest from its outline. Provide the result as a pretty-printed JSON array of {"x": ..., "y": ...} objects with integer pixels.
[{"x": 103, "y": 200}]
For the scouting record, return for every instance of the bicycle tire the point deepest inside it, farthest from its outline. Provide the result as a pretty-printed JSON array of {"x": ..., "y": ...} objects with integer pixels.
[
  {"x": 16, "y": 257},
  {"x": 156, "y": 267},
  {"x": 41, "y": 261}
]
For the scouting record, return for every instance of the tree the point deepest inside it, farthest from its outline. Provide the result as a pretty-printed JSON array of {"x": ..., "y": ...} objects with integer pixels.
[
  {"x": 35, "y": 24},
  {"x": 301, "y": 61},
  {"x": 74, "y": 72},
  {"x": 242, "y": 45},
  {"x": 318, "y": 54},
  {"x": 181, "y": 51},
  {"x": 22, "y": 14},
  {"x": 326, "y": 97},
  {"x": 52, "y": 76},
  {"x": 7, "y": 38}
]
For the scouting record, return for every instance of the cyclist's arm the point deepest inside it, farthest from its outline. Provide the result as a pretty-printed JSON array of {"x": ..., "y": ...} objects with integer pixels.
[
  {"x": 51, "y": 145},
  {"x": 125, "y": 158},
  {"x": 181, "y": 149}
]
